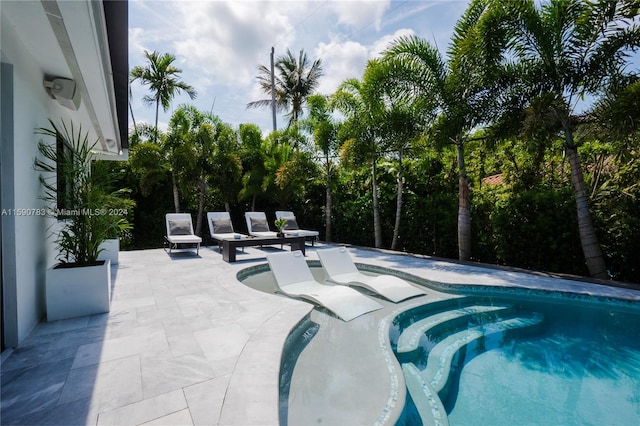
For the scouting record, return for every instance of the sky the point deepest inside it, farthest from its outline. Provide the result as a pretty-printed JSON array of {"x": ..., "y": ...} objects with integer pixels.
[{"x": 219, "y": 45}]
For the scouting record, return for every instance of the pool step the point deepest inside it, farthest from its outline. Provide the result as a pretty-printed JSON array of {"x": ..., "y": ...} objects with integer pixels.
[
  {"x": 440, "y": 357},
  {"x": 410, "y": 337},
  {"x": 427, "y": 401},
  {"x": 428, "y": 386}
]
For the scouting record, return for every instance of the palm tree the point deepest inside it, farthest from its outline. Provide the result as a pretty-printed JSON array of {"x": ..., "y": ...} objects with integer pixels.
[
  {"x": 565, "y": 49},
  {"x": 162, "y": 78},
  {"x": 324, "y": 130},
  {"x": 458, "y": 89},
  {"x": 360, "y": 133},
  {"x": 295, "y": 80}
]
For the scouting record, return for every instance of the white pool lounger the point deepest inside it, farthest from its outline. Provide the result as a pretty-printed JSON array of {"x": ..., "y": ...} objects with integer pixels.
[
  {"x": 294, "y": 278},
  {"x": 339, "y": 268}
]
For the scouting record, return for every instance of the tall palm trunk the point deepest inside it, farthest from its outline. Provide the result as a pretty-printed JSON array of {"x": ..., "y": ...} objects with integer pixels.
[
  {"x": 202, "y": 192},
  {"x": 588, "y": 238},
  {"x": 377, "y": 227},
  {"x": 327, "y": 220},
  {"x": 396, "y": 228},
  {"x": 176, "y": 194},
  {"x": 464, "y": 213},
  {"x": 135, "y": 128},
  {"x": 155, "y": 136}
]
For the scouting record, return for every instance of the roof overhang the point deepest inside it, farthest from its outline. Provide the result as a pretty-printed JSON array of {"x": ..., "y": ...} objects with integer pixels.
[{"x": 87, "y": 42}]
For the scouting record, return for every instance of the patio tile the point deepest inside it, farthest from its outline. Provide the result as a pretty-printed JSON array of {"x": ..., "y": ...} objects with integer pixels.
[
  {"x": 153, "y": 341},
  {"x": 110, "y": 384},
  {"x": 182, "y": 417},
  {"x": 145, "y": 411},
  {"x": 183, "y": 344},
  {"x": 162, "y": 374},
  {"x": 250, "y": 400},
  {"x": 222, "y": 342},
  {"x": 28, "y": 390},
  {"x": 205, "y": 400}
]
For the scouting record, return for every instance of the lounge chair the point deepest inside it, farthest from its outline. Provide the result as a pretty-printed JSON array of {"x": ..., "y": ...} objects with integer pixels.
[
  {"x": 220, "y": 227},
  {"x": 257, "y": 225},
  {"x": 293, "y": 228},
  {"x": 294, "y": 278},
  {"x": 339, "y": 268},
  {"x": 180, "y": 231}
]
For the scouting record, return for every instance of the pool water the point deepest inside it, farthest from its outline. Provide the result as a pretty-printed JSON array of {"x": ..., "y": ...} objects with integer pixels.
[
  {"x": 522, "y": 358},
  {"x": 579, "y": 365}
]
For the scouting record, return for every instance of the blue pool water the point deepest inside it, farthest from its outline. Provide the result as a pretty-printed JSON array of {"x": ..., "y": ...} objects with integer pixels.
[
  {"x": 579, "y": 365},
  {"x": 498, "y": 357}
]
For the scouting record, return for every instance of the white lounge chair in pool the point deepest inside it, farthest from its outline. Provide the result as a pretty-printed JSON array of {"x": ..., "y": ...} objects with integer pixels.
[
  {"x": 293, "y": 228},
  {"x": 294, "y": 278},
  {"x": 180, "y": 231},
  {"x": 220, "y": 227},
  {"x": 339, "y": 268},
  {"x": 257, "y": 225}
]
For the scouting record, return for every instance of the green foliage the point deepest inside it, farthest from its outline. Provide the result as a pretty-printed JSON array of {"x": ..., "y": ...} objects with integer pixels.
[{"x": 92, "y": 210}]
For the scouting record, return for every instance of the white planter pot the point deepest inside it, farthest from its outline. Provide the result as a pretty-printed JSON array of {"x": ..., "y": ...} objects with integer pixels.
[
  {"x": 111, "y": 249},
  {"x": 74, "y": 292}
]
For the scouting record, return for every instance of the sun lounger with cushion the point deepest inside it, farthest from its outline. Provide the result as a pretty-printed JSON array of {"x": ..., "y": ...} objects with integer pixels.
[
  {"x": 293, "y": 228},
  {"x": 294, "y": 278},
  {"x": 220, "y": 227},
  {"x": 257, "y": 225},
  {"x": 339, "y": 268},
  {"x": 180, "y": 231}
]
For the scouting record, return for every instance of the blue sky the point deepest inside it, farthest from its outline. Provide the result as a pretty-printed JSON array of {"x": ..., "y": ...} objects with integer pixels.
[{"x": 220, "y": 44}]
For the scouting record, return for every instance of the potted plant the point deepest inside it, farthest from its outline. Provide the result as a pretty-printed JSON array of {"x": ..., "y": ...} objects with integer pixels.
[
  {"x": 78, "y": 199},
  {"x": 280, "y": 224}
]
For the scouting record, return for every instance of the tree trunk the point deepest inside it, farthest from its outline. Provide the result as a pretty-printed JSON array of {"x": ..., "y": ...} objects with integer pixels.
[
  {"x": 377, "y": 227},
  {"x": 135, "y": 128},
  {"x": 396, "y": 228},
  {"x": 202, "y": 192},
  {"x": 588, "y": 238},
  {"x": 464, "y": 214},
  {"x": 227, "y": 207},
  {"x": 155, "y": 136},
  {"x": 328, "y": 206},
  {"x": 176, "y": 194}
]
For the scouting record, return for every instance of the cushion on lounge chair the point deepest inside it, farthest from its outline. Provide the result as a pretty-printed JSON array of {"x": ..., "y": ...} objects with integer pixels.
[
  {"x": 222, "y": 226},
  {"x": 259, "y": 224},
  {"x": 180, "y": 227},
  {"x": 291, "y": 223}
]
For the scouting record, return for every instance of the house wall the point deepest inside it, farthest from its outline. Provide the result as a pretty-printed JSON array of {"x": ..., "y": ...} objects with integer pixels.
[{"x": 26, "y": 252}]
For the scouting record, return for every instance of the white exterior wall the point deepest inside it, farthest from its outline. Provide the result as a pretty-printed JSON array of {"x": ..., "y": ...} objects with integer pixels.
[{"x": 32, "y": 107}]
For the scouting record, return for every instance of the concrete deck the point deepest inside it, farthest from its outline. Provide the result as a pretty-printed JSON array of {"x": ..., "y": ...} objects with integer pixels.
[{"x": 186, "y": 343}]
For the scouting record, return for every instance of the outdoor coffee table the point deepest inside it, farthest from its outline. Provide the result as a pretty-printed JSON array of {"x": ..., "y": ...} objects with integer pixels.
[{"x": 229, "y": 245}]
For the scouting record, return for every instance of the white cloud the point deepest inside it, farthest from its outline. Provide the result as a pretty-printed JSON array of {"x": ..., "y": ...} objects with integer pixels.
[
  {"x": 340, "y": 60},
  {"x": 360, "y": 14},
  {"x": 228, "y": 40},
  {"x": 383, "y": 43}
]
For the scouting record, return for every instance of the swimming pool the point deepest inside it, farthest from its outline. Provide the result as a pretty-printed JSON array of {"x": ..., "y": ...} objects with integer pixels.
[{"x": 511, "y": 356}]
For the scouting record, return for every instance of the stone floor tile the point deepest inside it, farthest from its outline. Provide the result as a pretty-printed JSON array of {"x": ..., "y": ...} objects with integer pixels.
[
  {"x": 179, "y": 418},
  {"x": 26, "y": 391},
  {"x": 165, "y": 374},
  {"x": 205, "y": 400},
  {"x": 222, "y": 342},
  {"x": 183, "y": 344},
  {"x": 123, "y": 347},
  {"x": 144, "y": 411},
  {"x": 110, "y": 384}
]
